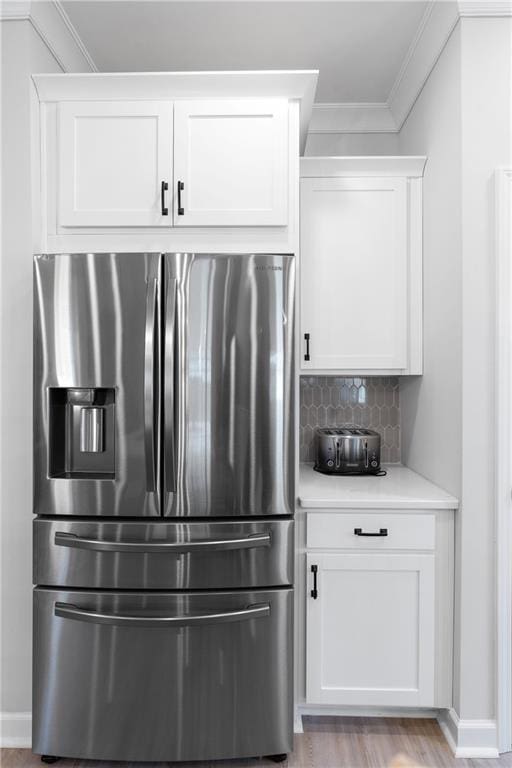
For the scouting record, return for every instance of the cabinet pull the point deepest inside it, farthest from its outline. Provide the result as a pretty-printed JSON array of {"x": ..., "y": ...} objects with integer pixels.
[
  {"x": 360, "y": 532},
  {"x": 314, "y": 591},
  {"x": 181, "y": 187},
  {"x": 163, "y": 189},
  {"x": 306, "y": 338}
]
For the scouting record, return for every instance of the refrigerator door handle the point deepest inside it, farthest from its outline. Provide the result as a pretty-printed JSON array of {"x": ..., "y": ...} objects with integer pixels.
[
  {"x": 69, "y": 611},
  {"x": 169, "y": 352},
  {"x": 149, "y": 384},
  {"x": 170, "y": 547}
]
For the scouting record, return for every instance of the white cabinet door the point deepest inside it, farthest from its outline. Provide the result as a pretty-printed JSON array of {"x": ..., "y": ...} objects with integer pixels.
[
  {"x": 354, "y": 273},
  {"x": 230, "y": 163},
  {"x": 113, "y": 158},
  {"x": 370, "y": 631}
]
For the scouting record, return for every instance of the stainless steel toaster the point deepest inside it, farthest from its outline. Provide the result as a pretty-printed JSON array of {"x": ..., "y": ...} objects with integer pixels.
[{"x": 347, "y": 450}]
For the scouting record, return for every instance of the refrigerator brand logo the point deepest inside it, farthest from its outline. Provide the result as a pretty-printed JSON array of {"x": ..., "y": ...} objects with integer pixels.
[{"x": 273, "y": 269}]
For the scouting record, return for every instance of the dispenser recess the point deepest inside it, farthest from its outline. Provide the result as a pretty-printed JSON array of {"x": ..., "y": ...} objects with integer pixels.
[{"x": 82, "y": 427}]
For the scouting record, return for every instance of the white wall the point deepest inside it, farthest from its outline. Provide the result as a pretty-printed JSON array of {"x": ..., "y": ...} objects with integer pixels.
[
  {"x": 327, "y": 144},
  {"x": 431, "y": 405},
  {"x": 462, "y": 122},
  {"x": 22, "y": 52}
]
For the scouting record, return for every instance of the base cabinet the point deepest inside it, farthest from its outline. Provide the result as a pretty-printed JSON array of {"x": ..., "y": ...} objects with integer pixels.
[
  {"x": 378, "y": 607},
  {"x": 370, "y": 629}
]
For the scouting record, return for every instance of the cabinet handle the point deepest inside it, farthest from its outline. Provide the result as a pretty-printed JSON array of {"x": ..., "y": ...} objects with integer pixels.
[
  {"x": 314, "y": 591},
  {"x": 181, "y": 187},
  {"x": 306, "y": 338},
  {"x": 163, "y": 189},
  {"x": 360, "y": 532}
]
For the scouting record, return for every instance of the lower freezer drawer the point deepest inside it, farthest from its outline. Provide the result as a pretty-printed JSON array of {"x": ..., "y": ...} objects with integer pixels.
[{"x": 149, "y": 676}]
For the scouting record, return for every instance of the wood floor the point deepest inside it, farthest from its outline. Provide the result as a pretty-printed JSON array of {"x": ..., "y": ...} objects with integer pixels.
[{"x": 327, "y": 742}]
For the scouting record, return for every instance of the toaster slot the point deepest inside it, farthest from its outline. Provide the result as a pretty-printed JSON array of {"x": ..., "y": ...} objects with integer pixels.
[{"x": 338, "y": 453}]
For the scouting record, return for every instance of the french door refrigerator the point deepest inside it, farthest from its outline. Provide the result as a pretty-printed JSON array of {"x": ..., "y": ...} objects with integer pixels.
[{"x": 163, "y": 494}]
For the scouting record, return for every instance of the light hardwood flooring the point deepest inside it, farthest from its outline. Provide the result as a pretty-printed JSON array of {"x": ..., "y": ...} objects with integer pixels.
[{"x": 327, "y": 742}]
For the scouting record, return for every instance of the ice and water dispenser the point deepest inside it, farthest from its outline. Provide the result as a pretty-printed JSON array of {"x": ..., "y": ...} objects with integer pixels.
[{"x": 82, "y": 425}]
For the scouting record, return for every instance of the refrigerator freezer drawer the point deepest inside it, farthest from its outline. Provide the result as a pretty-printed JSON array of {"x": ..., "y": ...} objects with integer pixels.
[
  {"x": 163, "y": 555},
  {"x": 163, "y": 676}
]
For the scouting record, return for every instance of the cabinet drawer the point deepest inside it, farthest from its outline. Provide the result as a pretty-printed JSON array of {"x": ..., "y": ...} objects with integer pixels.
[{"x": 399, "y": 531}]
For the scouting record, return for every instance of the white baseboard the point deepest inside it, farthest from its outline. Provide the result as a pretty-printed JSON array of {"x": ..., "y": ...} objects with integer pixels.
[
  {"x": 466, "y": 738},
  {"x": 469, "y": 738},
  {"x": 16, "y": 730}
]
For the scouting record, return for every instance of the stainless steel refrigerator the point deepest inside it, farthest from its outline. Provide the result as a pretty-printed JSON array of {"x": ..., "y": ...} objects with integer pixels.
[{"x": 163, "y": 490}]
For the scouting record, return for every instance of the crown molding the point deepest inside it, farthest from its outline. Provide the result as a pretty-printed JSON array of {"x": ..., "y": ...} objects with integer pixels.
[
  {"x": 386, "y": 166},
  {"x": 485, "y": 8},
  {"x": 352, "y": 118},
  {"x": 51, "y": 22},
  {"x": 434, "y": 30},
  {"x": 437, "y": 24}
]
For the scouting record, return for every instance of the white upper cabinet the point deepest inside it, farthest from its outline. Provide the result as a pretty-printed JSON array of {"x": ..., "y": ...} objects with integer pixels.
[
  {"x": 169, "y": 161},
  {"x": 113, "y": 158},
  {"x": 360, "y": 300},
  {"x": 231, "y": 162}
]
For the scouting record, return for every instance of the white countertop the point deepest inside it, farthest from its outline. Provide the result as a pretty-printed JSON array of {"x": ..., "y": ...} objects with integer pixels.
[{"x": 401, "y": 488}]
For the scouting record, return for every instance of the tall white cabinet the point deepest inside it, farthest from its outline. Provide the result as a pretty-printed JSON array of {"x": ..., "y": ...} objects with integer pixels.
[{"x": 361, "y": 265}]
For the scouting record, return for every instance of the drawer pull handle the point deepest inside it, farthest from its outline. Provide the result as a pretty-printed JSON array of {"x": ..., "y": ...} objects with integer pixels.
[
  {"x": 314, "y": 591},
  {"x": 69, "y": 611},
  {"x": 181, "y": 209},
  {"x": 307, "y": 357},
  {"x": 163, "y": 189},
  {"x": 177, "y": 547},
  {"x": 360, "y": 532}
]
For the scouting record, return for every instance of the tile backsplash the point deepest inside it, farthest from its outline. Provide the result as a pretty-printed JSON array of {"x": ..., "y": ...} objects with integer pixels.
[{"x": 368, "y": 401}]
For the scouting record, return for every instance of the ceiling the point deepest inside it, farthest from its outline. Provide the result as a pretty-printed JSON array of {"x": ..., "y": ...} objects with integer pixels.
[{"x": 358, "y": 46}]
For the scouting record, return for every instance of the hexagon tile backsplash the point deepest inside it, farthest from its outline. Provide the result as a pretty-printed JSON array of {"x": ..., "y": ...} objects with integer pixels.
[{"x": 369, "y": 402}]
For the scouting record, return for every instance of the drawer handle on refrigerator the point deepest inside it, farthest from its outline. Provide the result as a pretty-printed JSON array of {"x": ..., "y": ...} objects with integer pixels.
[
  {"x": 360, "y": 532},
  {"x": 69, "y": 611},
  {"x": 202, "y": 545}
]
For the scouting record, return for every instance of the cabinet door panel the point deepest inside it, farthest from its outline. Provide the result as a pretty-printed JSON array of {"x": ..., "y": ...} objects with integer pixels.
[
  {"x": 354, "y": 272},
  {"x": 113, "y": 157},
  {"x": 370, "y": 632},
  {"x": 231, "y": 157}
]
